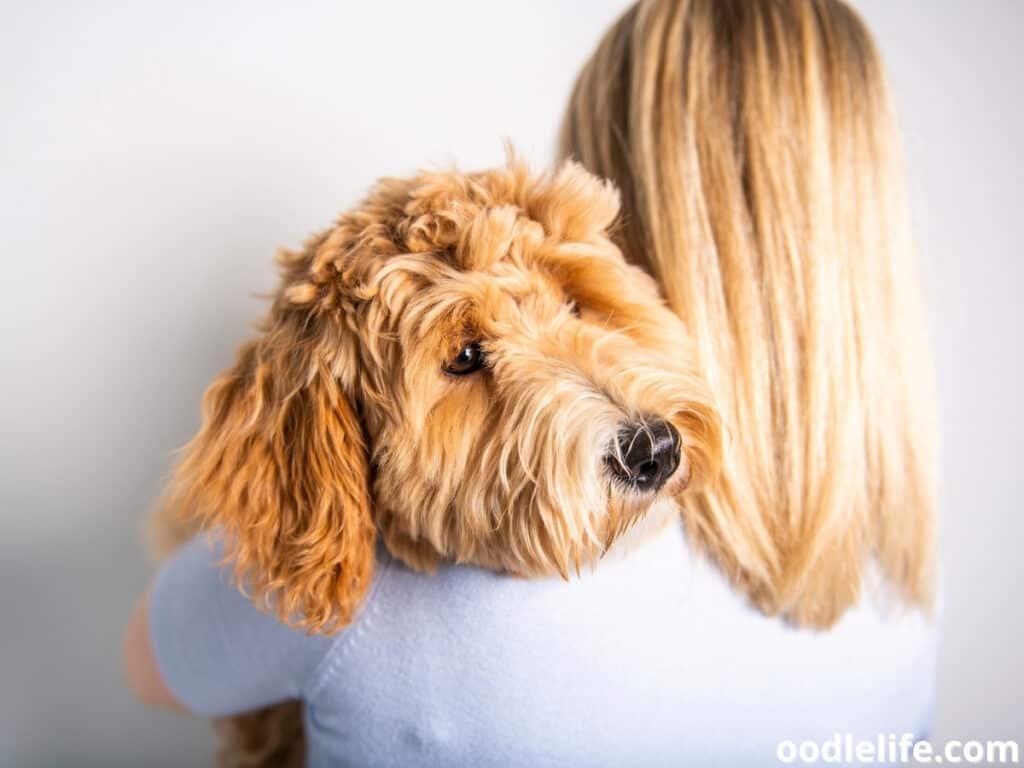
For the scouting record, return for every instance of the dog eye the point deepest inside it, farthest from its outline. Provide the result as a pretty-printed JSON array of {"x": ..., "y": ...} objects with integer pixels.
[
  {"x": 469, "y": 359},
  {"x": 574, "y": 307}
]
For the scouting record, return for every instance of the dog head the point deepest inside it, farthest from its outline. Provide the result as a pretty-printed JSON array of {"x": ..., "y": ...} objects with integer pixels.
[{"x": 464, "y": 365}]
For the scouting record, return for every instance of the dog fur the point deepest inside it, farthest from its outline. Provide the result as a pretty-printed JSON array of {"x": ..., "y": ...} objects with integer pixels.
[{"x": 340, "y": 424}]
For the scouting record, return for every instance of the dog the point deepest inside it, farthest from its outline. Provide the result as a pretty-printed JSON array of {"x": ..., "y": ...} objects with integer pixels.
[{"x": 464, "y": 368}]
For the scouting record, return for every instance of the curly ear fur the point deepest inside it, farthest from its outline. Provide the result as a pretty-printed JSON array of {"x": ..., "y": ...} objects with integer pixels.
[{"x": 280, "y": 467}]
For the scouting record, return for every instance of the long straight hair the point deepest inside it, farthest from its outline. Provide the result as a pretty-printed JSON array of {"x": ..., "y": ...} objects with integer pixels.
[{"x": 762, "y": 186}]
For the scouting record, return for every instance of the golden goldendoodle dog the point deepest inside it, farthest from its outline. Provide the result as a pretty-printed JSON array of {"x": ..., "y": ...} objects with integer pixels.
[{"x": 464, "y": 367}]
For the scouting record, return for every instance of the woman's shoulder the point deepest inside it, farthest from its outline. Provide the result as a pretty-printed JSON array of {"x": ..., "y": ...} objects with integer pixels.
[
  {"x": 648, "y": 596},
  {"x": 652, "y": 643},
  {"x": 656, "y": 575}
]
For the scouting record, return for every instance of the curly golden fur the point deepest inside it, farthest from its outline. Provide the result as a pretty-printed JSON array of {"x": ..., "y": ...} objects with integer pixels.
[{"x": 345, "y": 421}]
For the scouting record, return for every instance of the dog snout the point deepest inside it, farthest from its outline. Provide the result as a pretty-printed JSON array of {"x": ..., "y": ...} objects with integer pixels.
[{"x": 647, "y": 455}]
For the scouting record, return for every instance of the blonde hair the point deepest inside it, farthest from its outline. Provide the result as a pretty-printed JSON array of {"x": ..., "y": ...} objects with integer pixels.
[{"x": 754, "y": 147}]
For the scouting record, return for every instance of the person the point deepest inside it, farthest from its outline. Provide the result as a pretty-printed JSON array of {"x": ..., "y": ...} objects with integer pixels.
[{"x": 754, "y": 149}]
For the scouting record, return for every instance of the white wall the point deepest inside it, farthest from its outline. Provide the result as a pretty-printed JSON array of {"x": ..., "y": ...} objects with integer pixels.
[
  {"x": 154, "y": 154},
  {"x": 956, "y": 69}
]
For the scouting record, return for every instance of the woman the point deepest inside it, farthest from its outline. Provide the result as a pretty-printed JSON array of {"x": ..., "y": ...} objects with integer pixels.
[
  {"x": 752, "y": 143},
  {"x": 755, "y": 150}
]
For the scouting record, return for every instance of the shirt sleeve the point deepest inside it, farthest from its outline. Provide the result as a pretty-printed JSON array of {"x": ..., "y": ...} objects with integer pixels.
[{"x": 217, "y": 652}]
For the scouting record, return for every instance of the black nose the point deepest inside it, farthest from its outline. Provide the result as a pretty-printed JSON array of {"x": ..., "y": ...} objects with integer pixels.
[{"x": 647, "y": 455}]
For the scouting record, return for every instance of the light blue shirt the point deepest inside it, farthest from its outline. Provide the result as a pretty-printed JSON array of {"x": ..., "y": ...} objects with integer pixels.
[{"x": 650, "y": 659}]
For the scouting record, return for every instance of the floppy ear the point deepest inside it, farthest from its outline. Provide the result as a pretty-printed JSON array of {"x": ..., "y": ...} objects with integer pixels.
[{"x": 279, "y": 468}]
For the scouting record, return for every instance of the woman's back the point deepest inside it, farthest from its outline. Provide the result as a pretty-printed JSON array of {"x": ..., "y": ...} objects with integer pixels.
[{"x": 651, "y": 659}]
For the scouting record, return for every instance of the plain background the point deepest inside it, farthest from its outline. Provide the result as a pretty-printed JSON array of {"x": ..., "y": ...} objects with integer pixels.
[{"x": 153, "y": 156}]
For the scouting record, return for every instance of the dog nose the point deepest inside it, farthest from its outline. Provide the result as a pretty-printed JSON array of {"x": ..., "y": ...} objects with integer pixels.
[{"x": 648, "y": 455}]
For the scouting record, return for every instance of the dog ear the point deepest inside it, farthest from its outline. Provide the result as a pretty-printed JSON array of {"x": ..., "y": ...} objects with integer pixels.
[{"x": 280, "y": 469}]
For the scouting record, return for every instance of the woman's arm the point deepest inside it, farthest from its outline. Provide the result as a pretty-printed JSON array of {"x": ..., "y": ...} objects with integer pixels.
[
  {"x": 196, "y": 643},
  {"x": 140, "y": 664}
]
